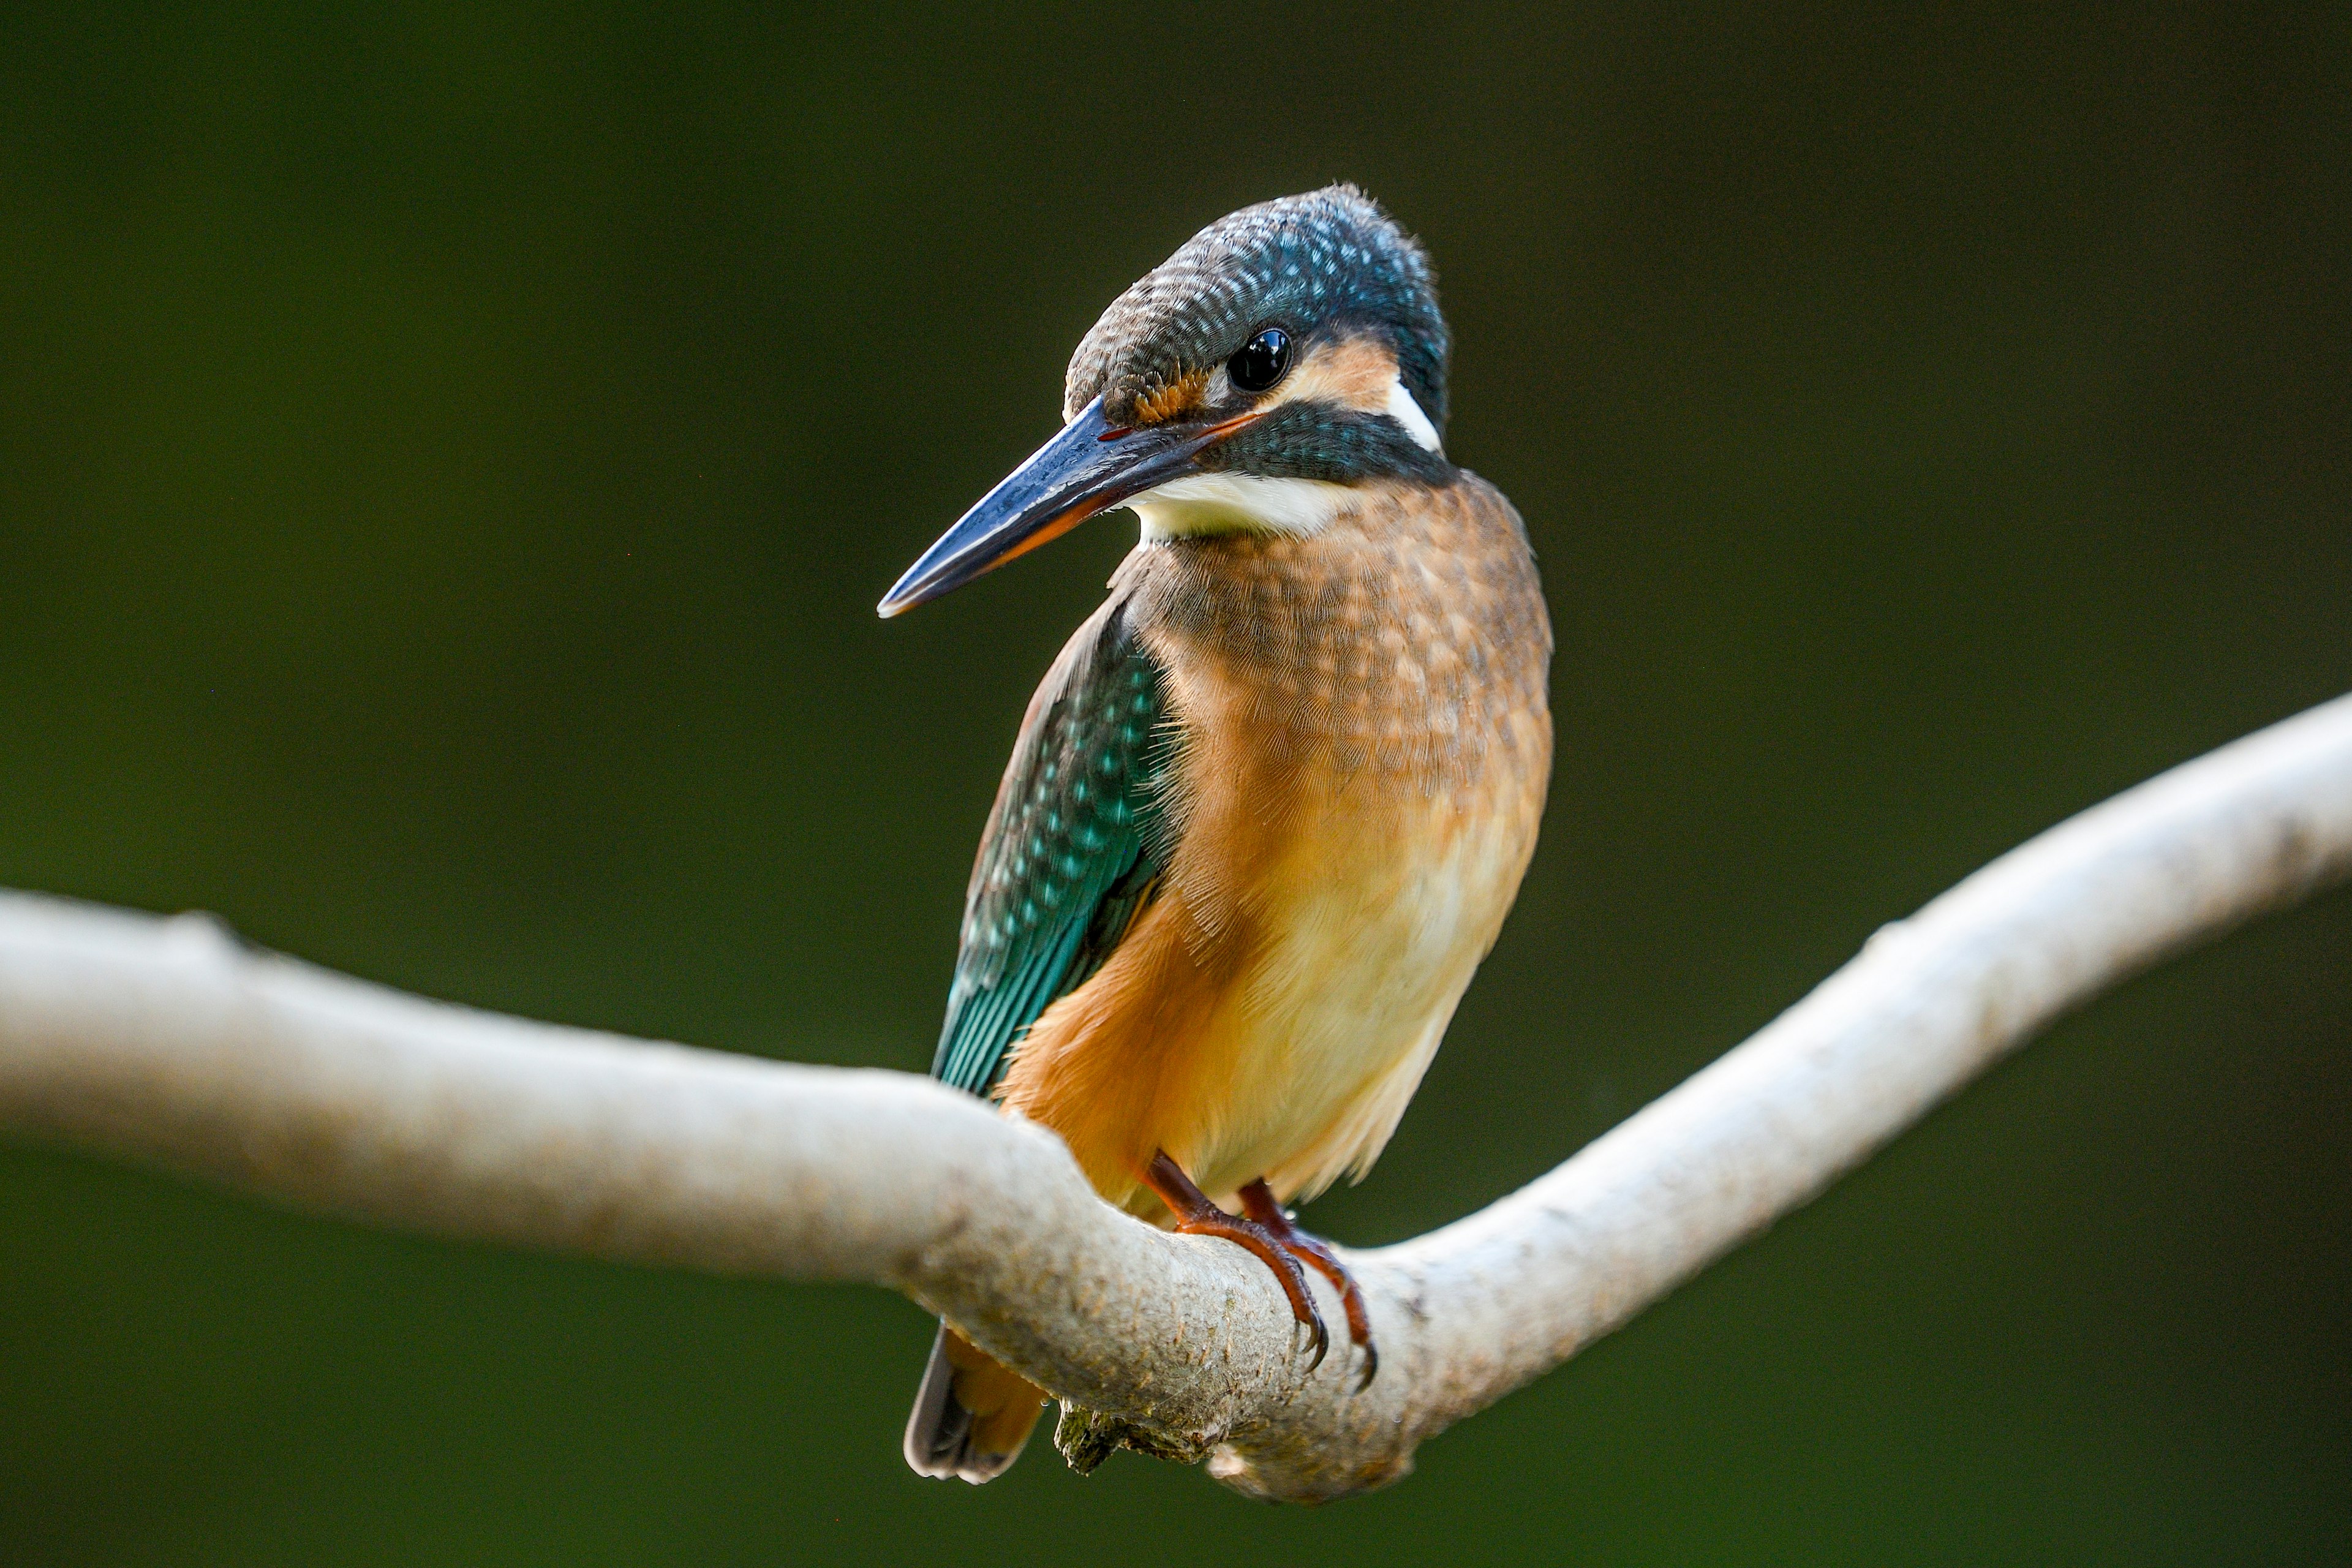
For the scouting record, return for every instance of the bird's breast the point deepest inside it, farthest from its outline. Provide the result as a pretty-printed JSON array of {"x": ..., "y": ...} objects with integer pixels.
[
  {"x": 1346, "y": 686},
  {"x": 1364, "y": 747}
]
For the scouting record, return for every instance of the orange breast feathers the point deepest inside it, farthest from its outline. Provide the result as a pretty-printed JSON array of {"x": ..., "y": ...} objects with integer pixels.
[{"x": 1364, "y": 748}]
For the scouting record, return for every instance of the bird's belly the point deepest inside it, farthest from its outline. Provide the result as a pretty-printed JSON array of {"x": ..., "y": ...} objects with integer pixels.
[
  {"x": 1371, "y": 922},
  {"x": 1274, "y": 1010}
]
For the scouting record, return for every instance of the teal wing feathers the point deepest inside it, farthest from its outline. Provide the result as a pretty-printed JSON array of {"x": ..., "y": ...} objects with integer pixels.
[{"x": 1072, "y": 851}]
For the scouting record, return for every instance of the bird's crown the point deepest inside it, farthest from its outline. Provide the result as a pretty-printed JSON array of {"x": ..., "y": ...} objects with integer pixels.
[{"x": 1256, "y": 292}]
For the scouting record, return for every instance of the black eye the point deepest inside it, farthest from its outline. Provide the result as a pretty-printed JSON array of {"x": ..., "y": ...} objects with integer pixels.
[{"x": 1261, "y": 362}]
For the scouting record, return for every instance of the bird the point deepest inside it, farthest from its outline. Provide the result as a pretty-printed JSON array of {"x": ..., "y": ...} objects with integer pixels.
[{"x": 1272, "y": 802}]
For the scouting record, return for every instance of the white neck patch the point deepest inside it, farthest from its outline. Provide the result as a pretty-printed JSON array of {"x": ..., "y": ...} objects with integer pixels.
[
  {"x": 1406, "y": 412},
  {"x": 1245, "y": 503}
]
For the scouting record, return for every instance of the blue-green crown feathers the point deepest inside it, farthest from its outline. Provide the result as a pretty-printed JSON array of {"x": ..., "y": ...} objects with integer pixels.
[{"x": 1327, "y": 260}]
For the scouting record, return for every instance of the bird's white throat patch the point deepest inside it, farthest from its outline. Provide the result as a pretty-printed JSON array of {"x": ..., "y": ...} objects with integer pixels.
[
  {"x": 1245, "y": 503},
  {"x": 1239, "y": 503}
]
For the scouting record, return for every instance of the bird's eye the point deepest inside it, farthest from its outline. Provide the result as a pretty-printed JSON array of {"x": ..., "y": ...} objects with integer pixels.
[{"x": 1261, "y": 362}]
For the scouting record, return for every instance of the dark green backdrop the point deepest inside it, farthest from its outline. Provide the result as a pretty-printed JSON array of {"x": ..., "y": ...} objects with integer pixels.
[{"x": 448, "y": 458}]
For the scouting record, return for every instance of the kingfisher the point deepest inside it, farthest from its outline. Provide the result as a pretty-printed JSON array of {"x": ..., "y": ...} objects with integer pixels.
[{"x": 1271, "y": 803}]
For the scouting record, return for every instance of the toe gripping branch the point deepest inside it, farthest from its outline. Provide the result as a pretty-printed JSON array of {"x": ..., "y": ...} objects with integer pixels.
[
  {"x": 1270, "y": 1235},
  {"x": 1258, "y": 1201}
]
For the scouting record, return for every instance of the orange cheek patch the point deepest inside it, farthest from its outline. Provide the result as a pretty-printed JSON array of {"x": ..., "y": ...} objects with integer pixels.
[{"x": 1354, "y": 373}]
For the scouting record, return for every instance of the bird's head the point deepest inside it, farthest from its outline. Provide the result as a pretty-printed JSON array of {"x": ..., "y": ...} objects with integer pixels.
[{"x": 1287, "y": 353}]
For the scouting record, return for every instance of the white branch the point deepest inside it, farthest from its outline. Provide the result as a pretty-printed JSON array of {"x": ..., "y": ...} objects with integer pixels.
[{"x": 166, "y": 1041}]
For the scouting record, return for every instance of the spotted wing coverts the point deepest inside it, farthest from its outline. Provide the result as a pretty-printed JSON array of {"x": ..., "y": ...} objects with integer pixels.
[{"x": 1071, "y": 852}]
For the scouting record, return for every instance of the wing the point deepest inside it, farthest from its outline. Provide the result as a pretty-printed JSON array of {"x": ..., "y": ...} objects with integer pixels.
[{"x": 1072, "y": 849}]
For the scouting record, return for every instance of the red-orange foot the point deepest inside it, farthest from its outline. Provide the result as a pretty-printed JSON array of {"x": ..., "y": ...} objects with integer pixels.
[
  {"x": 1196, "y": 1215},
  {"x": 1258, "y": 1201}
]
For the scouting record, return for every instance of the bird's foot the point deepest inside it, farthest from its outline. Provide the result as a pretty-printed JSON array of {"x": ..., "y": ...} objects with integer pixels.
[
  {"x": 1196, "y": 1215},
  {"x": 1257, "y": 1202}
]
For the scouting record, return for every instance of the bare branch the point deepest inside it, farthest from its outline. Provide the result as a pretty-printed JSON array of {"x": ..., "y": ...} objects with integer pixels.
[{"x": 165, "y": 1041}]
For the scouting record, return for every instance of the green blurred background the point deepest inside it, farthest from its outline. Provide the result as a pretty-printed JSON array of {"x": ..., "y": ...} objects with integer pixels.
[{"x": 449, "y": 456}]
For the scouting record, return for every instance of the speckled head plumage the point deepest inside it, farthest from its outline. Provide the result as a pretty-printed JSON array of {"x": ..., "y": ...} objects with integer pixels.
[
  {"x": 1323, "y": 266},
  {"x": 1286, "y": 352}
]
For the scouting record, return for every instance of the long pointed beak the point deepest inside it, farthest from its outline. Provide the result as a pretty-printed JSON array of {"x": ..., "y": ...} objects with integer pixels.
[{"x": 1091, "y": 465}]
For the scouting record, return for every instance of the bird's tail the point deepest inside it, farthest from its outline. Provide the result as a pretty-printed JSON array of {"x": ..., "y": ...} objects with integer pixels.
[{"x": 971, "y": 1416}]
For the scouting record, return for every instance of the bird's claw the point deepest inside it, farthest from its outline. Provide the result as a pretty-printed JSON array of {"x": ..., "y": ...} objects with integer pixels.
[
  {"x": 1270, "y": 1244},
  {"x": 1269, "y": 1249},
  {"x": 1258, "y": 1203},
  {"x": 1318, "y": 1338}
]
